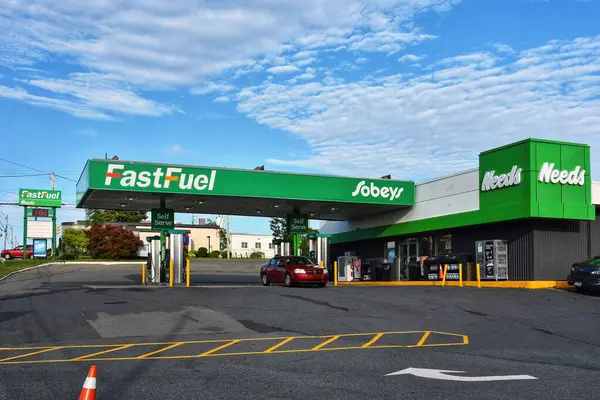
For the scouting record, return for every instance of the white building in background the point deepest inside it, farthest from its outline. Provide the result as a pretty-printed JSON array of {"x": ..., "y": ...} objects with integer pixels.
[{"x": 244, "y": 244}]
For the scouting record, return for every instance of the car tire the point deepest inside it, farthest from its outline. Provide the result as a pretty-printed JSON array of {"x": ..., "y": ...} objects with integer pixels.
[
  {"x": 264, "y": 280},
  {"x": 31, "y": 257},
  {"x": 288, "y": 280},
  {"x": 7, "y": 256},
  {"x": 322, "y": 284},
  {"x": 580, "y": 289}
]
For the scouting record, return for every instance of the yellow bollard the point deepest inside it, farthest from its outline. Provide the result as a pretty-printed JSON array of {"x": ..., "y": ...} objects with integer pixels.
[
  {"x": 321, "y": 263},
  {"x": 445, "y": 272},
  {"x": 460, "y": 274},
  {"x": 171, "y": 273},
  {"x": 335, "y": 273},
  {"x": 478, "y": 275},
  {"x": 143, "y": 274},
  {"x": 187, "y": 272}
]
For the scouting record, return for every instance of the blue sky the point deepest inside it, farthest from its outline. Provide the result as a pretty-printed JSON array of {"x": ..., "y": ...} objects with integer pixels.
[{"x": 415, "y": 88}]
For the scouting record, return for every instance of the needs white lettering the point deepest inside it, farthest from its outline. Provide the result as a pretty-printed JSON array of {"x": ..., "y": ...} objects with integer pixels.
[
  {"x": 550, "y": 174},
  {"x": 492, "y": 181}
]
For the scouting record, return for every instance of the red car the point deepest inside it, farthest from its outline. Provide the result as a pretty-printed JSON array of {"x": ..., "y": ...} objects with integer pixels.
[
  {"x": 17, "y": 252},
  {"x": 293, "y": 270}
]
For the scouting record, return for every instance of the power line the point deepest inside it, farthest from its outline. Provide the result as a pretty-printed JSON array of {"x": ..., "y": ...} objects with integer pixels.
[
  {"x": 21, "y": 176},
  {"x": 35, "y": 169}
]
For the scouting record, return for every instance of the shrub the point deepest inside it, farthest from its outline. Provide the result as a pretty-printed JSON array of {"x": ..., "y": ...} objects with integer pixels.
[
  {"x": 112, "y": 242},
  {"x": 215, "y": 254},
  {"x": 191, "y": 254},
  {"x": 224, "y": 254},
  {"x": 202, "y": 252},
  {"x": 69, "y": 256},
  {"x": 257, "y": 255}
]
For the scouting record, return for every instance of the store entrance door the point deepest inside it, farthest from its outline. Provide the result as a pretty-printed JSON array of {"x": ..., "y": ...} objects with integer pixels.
[{"x": 408, "y": 252}]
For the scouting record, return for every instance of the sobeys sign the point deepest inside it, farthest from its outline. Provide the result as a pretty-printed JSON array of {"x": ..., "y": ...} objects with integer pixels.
[
  {"x": 180, "y": 179},
  {"x": 492, "y": 181},
  {"x": 40, "y": 198}
]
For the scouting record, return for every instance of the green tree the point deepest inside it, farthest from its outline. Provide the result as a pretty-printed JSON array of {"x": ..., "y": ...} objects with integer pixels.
[
  {"x": 223, "y": 240},
  {"x": 304, "y": 242},
  {"x": 75, "y": 241},
  {"x": 99, "y": 217},
  {"x": 279, "y": 228}
]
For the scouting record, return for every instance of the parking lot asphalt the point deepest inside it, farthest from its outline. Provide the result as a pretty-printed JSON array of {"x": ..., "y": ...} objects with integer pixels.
[{"x": 246, "y": 341}]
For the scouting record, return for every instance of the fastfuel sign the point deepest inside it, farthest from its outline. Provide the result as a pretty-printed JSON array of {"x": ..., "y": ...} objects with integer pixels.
[{"x": 159, "y": 178}]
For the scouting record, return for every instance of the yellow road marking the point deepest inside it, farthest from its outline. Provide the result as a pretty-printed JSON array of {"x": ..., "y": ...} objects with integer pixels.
[
  {"x": 102, "y": 352},
  {"x": 160, "y": 350},
  {"x": 370, "y": 342},
  {"x": 31, "y": 354},
  {"x": 278, "y": 345},
  {"x": 325, "y": 343},
  {"x": 207, "y": 353},
  {"x": 423, "y": 339},
  {"x": 452, "y": 339}
]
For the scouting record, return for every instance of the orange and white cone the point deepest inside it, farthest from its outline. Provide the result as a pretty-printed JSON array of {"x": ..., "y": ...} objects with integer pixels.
[{"x": 89, "y": 387}]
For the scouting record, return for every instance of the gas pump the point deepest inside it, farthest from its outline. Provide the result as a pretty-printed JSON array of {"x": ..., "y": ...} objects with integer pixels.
[
  {"x": 153, "y": 264},
  {"x": 312, "y": 247}
]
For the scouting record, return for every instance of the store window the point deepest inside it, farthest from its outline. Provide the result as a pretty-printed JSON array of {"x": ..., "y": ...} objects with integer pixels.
[
  {"x": 257, "y": 245},
  {"x": 270, "y": 246},
  {"x": 390, "y": 251},
  {"x": 426, "y": 246},
  {"x": 443, "y": 245},
  {"x": 244, "y": 245}
]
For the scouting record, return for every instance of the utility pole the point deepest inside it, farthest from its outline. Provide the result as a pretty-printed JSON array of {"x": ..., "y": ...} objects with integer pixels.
[
  {"x": 228, "y": 239},
  {"x": 5, "y": 230},
  {"x": 53, "y": 177}
]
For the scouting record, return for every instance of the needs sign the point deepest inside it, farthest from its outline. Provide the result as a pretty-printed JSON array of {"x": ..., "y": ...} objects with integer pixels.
[
  {"x": 162, "y": 219},
  {"x": 40, "y": 198}
]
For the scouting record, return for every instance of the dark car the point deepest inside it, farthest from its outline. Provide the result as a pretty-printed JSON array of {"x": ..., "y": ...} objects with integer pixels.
[
  {"x": 585, "y": 275},
  {"x": 293, "y": 270}
]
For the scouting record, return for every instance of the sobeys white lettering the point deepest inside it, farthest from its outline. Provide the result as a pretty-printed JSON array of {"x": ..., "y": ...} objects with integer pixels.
[
  {"x": 550, "y": 174},
  {"x": 492, "y": 181},
  {"x": 159, "y": 178},
  {"x": 374, "y": 191}
]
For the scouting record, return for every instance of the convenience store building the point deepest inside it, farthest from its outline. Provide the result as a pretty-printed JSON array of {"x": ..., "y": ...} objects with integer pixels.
[{"x": 537, "y": 195}]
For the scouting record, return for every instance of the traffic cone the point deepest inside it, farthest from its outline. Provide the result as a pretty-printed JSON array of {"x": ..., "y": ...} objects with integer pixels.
[{"x": 89, "y": 386}]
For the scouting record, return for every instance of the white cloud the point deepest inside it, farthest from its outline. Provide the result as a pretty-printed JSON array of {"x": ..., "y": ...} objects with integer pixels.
[
  {"x": 221, "y": 99},
  {"x": 283, "y": 69},
  {"x": 361, "y": 60},
  {"x": 304, "y": 54},
  {"x": 427, "y": 125},
  {"x": 411, "y": 58},
  {"x": 211, "y": 87}
]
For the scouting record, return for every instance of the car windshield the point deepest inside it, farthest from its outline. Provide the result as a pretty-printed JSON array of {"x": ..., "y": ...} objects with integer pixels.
[{"x": 299, "y": 261}]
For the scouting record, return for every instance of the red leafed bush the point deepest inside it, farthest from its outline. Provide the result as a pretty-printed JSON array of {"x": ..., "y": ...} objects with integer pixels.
[{"x": 112, "y": 242}]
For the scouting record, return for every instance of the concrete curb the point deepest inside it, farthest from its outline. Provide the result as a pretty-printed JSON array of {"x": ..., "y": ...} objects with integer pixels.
[
  {"x": 70, "y": 263},
  {"x": 484, "y": 284}
]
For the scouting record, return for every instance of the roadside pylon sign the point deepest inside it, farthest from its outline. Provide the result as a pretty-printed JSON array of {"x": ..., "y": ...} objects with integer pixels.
[{"x": 89, "y": 386}]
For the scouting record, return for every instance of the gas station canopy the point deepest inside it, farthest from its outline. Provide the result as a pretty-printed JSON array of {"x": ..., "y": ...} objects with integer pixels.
[{"x": 139, "y": 186}]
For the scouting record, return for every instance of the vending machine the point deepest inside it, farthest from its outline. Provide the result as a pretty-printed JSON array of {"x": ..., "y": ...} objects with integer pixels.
[
  {"x": 346, "y": 268},
  {"x": 492, "y": 257}
]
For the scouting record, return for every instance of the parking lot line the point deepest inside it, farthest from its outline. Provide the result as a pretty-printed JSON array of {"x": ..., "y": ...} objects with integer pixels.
[
  {"x": 103, "y": 352},
  {"x": 220, "y": 347},
  {"x": 278, "y": 345},
  {"x": 160, "y": 350},
  {"x": 370, "y": 342},
  {"x": 325, "y": 343}
]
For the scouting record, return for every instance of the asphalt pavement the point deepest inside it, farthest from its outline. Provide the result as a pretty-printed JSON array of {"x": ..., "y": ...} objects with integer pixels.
[{"x": 230, "y": 338}]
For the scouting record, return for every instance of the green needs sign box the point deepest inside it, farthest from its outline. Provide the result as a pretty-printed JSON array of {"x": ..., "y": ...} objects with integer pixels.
[
  {"x": 40, "y": 198},
  {"x": 537, "y": 178}
]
